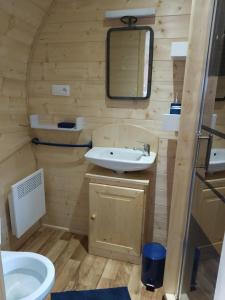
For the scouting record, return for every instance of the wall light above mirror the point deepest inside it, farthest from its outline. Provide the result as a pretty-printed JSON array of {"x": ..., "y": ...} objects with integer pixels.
[{"x": 129, "y": 62}]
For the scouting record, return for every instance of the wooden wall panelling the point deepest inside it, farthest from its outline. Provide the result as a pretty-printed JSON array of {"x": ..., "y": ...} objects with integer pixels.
[
  {"x": 124, "y": 135},
  {"x": 16, "y": 167},
  {"x": 70, "y": 49},
  {"x": 19, "y": 21},
  {"x": 192, "y": 94}
]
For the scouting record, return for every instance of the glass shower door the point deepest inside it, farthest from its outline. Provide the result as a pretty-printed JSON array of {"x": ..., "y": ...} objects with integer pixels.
[
  {"x": 206, "y": 219},
  {"x": 205, "y": 238}
]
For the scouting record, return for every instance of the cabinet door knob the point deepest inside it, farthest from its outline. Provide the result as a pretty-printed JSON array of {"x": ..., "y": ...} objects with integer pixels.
[{"x": 93, "y": 217}]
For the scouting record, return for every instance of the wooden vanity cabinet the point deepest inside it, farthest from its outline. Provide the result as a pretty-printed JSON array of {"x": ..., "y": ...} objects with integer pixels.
[{"x": 117, "y": 207}]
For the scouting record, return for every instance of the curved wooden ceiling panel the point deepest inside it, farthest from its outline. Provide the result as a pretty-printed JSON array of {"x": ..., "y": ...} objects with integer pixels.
[{"x": 19, "y": 21}]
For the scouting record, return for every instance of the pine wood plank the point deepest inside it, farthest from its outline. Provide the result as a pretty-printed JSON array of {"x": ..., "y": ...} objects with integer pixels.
[{"x": 19, "y": 21}]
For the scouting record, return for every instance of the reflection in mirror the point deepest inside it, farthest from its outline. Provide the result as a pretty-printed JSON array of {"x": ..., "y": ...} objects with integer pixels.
[
  {"x": 215, "y": 88},
  {"x": 214, "y": 106},
  {"x": 129, "y": 62},
  {"x": 218, "y": 119},
  {"x": 217, "y": 158},
  {"x": 219, "y": 106}
]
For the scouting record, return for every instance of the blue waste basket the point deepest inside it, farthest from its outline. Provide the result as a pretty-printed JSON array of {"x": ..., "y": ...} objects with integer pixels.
[{"x": 153, "y": 264}]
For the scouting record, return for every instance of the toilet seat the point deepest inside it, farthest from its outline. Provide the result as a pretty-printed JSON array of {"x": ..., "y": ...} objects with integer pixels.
[{"x": 27, "y": 276}]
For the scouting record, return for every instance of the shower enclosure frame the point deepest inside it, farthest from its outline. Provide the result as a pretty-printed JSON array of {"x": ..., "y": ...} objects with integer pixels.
[
  {"x": 199, "y": 42},
  {"x": 201, "y": 128}
]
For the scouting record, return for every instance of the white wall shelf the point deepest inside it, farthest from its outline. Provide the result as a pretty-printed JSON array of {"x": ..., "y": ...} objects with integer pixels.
[
  {"x": 171, "y": 122},
  {"x": 179, "y": 50},
  {"x": 139, "y": 12},
  {"x": 35, "y": 123}
]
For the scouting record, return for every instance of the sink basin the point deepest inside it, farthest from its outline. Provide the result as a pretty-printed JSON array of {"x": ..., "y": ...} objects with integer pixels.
[
  {"x": 217, "y": 160},
  {"x": 120, "y": 159}
]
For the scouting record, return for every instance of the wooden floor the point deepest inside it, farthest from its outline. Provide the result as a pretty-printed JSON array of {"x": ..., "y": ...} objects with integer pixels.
[{"x": 78, "y": 270}]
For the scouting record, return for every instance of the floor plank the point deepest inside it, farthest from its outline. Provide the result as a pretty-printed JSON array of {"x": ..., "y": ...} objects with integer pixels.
[{"x": 76, "y": 269}]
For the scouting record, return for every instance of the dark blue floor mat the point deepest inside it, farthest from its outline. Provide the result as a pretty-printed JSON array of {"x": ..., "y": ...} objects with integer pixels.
[{"x": 120, "y": 293}]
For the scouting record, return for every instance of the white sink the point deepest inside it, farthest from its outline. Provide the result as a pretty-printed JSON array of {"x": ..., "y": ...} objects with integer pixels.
[
  {"x": 217, "y": 160},
  {"x": 120, "y": 159}
]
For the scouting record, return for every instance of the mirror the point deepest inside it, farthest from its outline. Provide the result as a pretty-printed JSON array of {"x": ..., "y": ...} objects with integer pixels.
[
  {"x": 214, "y": 96},
  {"x": 129, "y": 62},
  {"x": 220, "y": 92}
]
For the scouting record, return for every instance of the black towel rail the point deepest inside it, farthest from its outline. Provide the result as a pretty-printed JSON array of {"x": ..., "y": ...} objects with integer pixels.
[{"x": 36, "y": 141}]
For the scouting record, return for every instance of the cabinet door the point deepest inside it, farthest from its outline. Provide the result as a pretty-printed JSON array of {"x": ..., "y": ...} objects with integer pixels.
[{"x": 116, "y": 219}]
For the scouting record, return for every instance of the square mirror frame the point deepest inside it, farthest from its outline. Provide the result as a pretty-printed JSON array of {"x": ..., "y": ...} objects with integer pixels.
[{"x": 151, "y": 47}]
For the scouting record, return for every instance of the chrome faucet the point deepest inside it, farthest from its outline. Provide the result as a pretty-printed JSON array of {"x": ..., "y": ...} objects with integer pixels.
[{"x": 145, "y": 149}]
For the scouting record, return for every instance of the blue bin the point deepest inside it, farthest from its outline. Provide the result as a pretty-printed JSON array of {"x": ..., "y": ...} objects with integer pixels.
[{"x": 153, "y": 264}]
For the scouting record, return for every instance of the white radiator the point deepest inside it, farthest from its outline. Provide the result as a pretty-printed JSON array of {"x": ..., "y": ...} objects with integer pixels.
[{"x": 27, "y": 202}]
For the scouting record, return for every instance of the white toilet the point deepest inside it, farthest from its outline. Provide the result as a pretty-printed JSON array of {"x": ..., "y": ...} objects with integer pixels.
[{"x": 27, "y": 275}]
